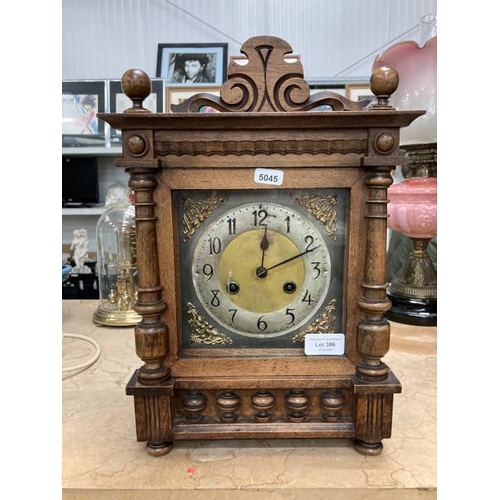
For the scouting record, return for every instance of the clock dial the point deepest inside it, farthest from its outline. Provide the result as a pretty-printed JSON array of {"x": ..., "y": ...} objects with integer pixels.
[{"x": 261, "y": 269}]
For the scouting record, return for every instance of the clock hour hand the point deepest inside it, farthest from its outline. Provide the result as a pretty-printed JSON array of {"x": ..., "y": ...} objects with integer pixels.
[
  {"x": 262, "y": 271},
  {"x": 264, "y": 245}
]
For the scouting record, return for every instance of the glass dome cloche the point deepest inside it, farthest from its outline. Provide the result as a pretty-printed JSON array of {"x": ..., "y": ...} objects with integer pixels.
[{"x": 116, "y": 265}]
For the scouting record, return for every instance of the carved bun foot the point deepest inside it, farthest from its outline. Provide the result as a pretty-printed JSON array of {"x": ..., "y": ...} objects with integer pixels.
[
  {"x": 158, "y": 450},
  {"x": 370, "y": 449}
]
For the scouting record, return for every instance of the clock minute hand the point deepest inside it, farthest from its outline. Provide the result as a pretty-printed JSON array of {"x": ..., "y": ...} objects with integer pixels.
[{"x": 292, "y": 258}]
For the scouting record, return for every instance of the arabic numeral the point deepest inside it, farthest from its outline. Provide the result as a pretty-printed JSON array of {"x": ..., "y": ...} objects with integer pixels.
[
  {"x": 208, "y": 271},
  {"x": 261, "y": 324},
  {"x": 316, "y": 269},
  {"x": 215, "y": 246},
  {"x": 259, "y": 217},
  {"x": 307, "y": 298},
  {"x": 287, "y": 220},
  {"x": 309, "y": 241},
  {"x": 215, "y": 302},
  {"x": 233, "y": 314}
]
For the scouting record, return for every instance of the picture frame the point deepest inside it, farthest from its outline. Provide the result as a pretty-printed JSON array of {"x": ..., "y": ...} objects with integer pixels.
[
  {"x": 176, "y": 95},
  {"x": 206, "y": 63},
  {"x": 338, "y": 88},
  {"x": 359, "y": 91},
  {"x": 119, "y": 102},
  {"x": 81, "y": 101}
]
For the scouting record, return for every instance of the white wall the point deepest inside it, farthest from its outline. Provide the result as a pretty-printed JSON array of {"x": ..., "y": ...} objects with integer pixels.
[{"x": 337, "y": 39}]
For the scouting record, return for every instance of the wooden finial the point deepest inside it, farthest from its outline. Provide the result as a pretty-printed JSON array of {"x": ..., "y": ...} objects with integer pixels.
[
  {"x": 137, "y": 86},
  {"x": 383, "y": 83}
]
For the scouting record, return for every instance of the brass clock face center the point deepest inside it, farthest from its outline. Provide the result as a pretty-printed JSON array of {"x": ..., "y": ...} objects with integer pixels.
[
  {"x": 239, "y": 264},
  {"x": 261, "y": 269}
]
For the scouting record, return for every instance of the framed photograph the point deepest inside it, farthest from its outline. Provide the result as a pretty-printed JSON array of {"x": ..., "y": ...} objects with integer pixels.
[
  {"x": 358, "y": 91},
  {"x": 81, "y": 101},
  {"x": 192, "y": 64},
  {"x": 119, "y": 102},
  {"x": 177, "y": 95}
]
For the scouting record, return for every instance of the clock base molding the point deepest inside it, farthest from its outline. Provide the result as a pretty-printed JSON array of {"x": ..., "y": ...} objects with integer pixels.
[{"x": 350, "y": 409}]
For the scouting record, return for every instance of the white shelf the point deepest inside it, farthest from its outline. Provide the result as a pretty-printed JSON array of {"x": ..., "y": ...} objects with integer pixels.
[
  {"x": 93, "y": 151},
  {"x": 84, "y": 211},
  {"x": 87, "y": 217}
]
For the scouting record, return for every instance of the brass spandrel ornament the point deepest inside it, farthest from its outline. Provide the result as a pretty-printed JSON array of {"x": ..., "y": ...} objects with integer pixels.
[
  {"x": 196, "y": 211},
  {"x": 202, "y": 332},
  {"x": 325, "y": 323},
  {"x": 322, "y": 208}
]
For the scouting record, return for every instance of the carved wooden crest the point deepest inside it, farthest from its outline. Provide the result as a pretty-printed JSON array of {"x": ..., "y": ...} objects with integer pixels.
[{"x": 267, "y": 83}]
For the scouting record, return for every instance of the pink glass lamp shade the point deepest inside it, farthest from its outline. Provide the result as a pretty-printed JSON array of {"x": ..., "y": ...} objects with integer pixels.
[
  {"x": 412, "y": 211},
  {"x": 417, "y": 69},
  {"x": 413, "y": 207}
]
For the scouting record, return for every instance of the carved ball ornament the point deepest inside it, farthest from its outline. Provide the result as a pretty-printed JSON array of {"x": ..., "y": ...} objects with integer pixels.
[
  {"x": 136, "y": 85},
  {"x": 137, "y": 145}
]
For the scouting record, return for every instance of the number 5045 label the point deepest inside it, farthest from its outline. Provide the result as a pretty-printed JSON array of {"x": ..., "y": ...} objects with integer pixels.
[
  {"x": 268, "y": 176},
  {"x": 324, "y": 344}
]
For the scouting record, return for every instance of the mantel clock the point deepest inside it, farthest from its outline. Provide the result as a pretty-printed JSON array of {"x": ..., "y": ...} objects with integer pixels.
[{"x": 261, "y": 241}]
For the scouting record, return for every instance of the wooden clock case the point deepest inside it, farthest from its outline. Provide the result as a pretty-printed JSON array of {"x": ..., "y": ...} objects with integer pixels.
[{"x": 265, "y": 118}]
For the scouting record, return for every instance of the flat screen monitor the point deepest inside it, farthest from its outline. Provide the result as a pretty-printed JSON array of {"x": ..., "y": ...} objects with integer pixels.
[{"x": 80, "y": 181}]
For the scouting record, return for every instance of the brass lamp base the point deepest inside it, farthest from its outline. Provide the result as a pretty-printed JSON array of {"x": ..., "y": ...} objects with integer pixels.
[
  {"x": 412, "y": 311},
  {"x": 105, "y": 317},
  {"x": 414, "y": 292}
]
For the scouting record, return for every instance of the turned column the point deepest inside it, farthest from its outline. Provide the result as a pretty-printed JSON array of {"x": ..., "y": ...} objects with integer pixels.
[
  {"x": 150, "y": 385},
  {"x": 374, "y": 384},
  {"x": 138, "y": 159},
  {"x": 151, "y": 339},
  {"x": 373, "y": 332}
]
